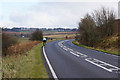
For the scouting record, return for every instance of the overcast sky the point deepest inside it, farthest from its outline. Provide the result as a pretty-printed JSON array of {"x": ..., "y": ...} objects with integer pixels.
[{"x": 49, "y": 13}]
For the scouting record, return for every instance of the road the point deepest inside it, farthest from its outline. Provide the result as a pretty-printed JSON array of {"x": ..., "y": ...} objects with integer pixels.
[{"x": 66, "y": 60}]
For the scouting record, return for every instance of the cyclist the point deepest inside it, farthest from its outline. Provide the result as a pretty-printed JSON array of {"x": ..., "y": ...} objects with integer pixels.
[{"x": 44, "y": 41}]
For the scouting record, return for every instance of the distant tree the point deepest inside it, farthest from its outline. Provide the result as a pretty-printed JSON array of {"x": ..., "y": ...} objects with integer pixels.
[
  {"x": 37, "y": 35},
  {"x": 7, "y": 41}
]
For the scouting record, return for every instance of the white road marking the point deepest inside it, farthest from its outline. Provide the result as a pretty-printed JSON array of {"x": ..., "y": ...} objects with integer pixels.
[
  {"x": 111, "y": 54},
  {"x": 115, "y": 55},
  {"x": 74, "y": 54},
  {"x": 102, "y": 64},
  {"x": 70, "y": 49},
  {"x": 79, "y": 53},
  {"x": 99, "y": 65},
  {"x": 65, "y": 49},
  {"x": 94, "y": 61},
  {"x": 84, "y": 56},
  {"x": 51, "y": 69}
]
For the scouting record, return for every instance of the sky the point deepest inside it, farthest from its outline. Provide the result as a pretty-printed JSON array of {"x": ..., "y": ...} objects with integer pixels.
[{"x": 49, "y": 13}]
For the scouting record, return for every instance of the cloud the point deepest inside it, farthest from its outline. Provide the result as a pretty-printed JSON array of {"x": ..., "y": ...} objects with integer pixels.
[
  {"x": 59, "y": 0},
  {"x": 18, "y": 18},
  {"x": 52, "y": 14},
  {"x": 47, "y": 15}
]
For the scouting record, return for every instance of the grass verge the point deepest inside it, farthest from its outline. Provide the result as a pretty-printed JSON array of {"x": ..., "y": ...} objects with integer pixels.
[
  {"x": 76, "y": 43},
  {"x": 26, "y": 65}
]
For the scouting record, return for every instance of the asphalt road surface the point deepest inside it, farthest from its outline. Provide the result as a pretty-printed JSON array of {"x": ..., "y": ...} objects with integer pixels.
[{"x": 66, "y": 60}]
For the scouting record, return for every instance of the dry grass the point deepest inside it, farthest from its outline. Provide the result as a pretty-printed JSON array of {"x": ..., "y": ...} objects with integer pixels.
[
  {"x": 60, "y": 35},
  {"x": 24, "y": 66},
  {"x": 21, "y": 47},
  {"x": 108, "y": 45}
]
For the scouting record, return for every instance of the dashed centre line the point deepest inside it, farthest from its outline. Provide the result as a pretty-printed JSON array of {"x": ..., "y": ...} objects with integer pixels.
[
  {"x": 106, "y": 66},
  {"x": 74, "y": 54}
]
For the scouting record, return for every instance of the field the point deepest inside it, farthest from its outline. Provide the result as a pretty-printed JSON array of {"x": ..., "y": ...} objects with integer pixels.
[
  {"x": 19, "y": 34},
  {"x": 10, "y": 32},
  {"x": 21, "y": 40},
  {"x": 58, "y": 35},
  {"x": 48, "y": 34}
]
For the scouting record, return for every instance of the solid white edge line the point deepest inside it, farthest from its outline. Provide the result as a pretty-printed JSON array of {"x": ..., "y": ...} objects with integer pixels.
[{"x": 51, "y": 69}]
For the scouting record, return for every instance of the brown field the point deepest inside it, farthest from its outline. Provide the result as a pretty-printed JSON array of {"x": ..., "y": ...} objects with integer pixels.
[
  {"x": 49, "y": 34},
  {"x": 55, "y": 32},
  {"x": 66, "y": 32},
  {"x": 60, "y": 35}
]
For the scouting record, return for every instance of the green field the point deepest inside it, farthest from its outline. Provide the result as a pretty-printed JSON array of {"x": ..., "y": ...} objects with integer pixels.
[{"x": 23, "y": 40}]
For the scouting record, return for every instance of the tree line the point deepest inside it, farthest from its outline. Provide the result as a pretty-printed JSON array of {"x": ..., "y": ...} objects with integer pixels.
[{"x": 96, "y": 26}]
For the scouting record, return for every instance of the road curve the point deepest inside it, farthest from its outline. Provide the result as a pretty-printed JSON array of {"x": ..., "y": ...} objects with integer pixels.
[{"x": 70, "y": 61}]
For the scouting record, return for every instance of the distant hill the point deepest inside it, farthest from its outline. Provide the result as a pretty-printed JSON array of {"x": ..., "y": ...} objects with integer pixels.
[{"x": 43, "y": 29}]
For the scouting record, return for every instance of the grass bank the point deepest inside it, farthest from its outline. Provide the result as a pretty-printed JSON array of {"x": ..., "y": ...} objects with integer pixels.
[
  {"x": 76, "y": 43},
  {"x": 26, "y": 65}
]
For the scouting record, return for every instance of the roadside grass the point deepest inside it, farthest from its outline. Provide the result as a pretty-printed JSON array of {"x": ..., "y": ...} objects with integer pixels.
[
  {"x": 76, "y": 43},
  {"x": 26, "y": 65}
]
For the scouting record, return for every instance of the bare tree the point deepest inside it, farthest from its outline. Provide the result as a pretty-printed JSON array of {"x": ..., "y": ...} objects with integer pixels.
[
  {"x": 94, "y": 27},
  {"x": 104, "y": 20}
]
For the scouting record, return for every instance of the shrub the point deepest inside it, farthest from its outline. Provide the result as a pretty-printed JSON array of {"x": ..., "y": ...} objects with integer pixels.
[
  {"x": 7, "y": 41},
  {"x": 37, "y": 35},
  {"x": 21, "y": 47}
]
